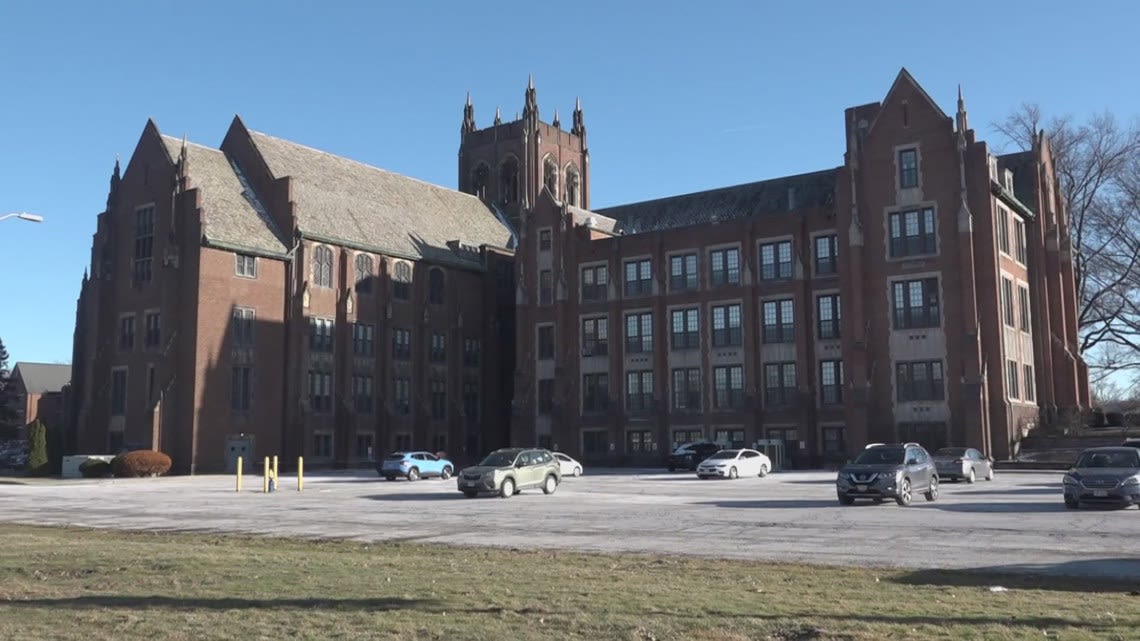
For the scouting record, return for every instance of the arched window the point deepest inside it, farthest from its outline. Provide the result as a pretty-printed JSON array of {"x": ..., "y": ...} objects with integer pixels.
[
  {"x": 402, "y": 281},
  {"x": 363, "y": 273},
  {"x": 479, "y": 179},
  {"x": 322, "y": 266},
  {"x": 572, "y": 186},
  {"x": 435, "y": 286},
  {"x": 550, "y": 175},
  {"x": 509, "y": 180}
]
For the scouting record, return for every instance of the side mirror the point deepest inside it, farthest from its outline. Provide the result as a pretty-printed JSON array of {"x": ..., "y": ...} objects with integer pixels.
[{"x": 518, "y": 464}]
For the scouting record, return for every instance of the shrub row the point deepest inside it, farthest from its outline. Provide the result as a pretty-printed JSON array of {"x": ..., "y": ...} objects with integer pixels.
[{"x": 129, "y": 464}]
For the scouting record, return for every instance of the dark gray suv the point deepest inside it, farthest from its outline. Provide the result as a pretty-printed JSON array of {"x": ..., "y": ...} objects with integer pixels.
[{"x": 888, "y": 471}]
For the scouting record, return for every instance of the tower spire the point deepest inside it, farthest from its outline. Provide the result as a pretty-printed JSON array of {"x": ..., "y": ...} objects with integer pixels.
[
  {"x": 963, "y": 122},
  {"x": 498, "y": 116},
  {"x": 578, "y": 128},
  {"x": 530, "y": 105},
  {"x": 468, "y": 116},
  {"x": 113, "y": 192},
  {"x": 557, "y": 123}
]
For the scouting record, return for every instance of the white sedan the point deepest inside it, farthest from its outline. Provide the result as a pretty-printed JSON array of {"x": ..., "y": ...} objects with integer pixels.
[
  {"x": 735, "y": 463},
  {"x": 569, "y": 466}
]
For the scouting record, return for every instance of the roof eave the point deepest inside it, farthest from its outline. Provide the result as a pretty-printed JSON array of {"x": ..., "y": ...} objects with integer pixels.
[{"x": 1008, "y": 198}]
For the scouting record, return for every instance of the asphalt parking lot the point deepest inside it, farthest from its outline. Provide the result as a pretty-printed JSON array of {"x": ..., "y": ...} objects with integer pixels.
[{"x": 1016, "y": 522}]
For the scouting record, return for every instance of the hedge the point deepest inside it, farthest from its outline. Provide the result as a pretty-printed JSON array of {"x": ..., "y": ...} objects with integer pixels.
[
  {"x": 94, "y": 468},
  {"x": 141, "y": 463}
]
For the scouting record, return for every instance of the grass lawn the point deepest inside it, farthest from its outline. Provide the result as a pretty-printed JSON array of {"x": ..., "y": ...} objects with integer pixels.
[{"x": 65, "y": 583}]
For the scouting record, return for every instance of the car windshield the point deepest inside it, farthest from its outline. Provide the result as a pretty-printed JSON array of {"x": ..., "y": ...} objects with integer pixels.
[
  {"x": 724, "y": 454},
  {"x": 881, "y": 456},
  {"x": 1121, "y": 459},
  {"x": 499, "y": 459},
  {"x": 951, "y": 451}
]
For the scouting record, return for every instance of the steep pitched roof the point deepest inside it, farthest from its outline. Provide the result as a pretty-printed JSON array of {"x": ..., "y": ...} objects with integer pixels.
[
  {"x": 905, "y": 77},
  {"x": 39, "y": 378},
  {"x": 727, "y": 203},
  {"x": 345, "y": 201},
  {"x": 232, "y": 216}
]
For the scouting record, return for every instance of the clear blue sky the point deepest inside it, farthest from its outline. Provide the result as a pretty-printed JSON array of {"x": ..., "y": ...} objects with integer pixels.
[{"x": 678, "y": 96}]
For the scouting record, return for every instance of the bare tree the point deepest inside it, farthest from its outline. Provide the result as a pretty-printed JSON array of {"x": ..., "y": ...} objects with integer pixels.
[{"x": 1098, "y": 167}]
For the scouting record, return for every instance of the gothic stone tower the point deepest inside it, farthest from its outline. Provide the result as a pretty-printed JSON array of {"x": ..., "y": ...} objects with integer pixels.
[{"x": 508, "y": 164}]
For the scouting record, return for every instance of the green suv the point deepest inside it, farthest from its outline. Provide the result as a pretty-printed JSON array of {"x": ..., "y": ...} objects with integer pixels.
[{"x": 507, "y": 472}]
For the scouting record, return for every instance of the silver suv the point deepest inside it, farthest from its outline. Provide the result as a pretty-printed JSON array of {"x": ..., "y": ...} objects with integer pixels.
[
  {"x": 509, "y": 471},
  {"x": 888, "y": 471}
]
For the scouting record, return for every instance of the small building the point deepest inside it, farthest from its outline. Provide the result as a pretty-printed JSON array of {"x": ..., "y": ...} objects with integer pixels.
[{"x": 39, "y": 392}]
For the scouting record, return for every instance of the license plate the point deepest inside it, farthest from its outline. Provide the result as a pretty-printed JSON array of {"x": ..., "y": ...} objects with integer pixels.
[
  {"x": 861, "y": 488},
  {"x": 470, "y": 484},
  {"x": 1100, "y": 493}
]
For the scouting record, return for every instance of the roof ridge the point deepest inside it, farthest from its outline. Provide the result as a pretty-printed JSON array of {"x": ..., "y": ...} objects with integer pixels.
[{"x": 724, "y": 188}]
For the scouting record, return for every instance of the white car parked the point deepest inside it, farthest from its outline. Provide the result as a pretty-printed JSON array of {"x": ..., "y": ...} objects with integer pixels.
[
  {"x": 569, "y": 466},
  {"x": 735, "y": 463}
]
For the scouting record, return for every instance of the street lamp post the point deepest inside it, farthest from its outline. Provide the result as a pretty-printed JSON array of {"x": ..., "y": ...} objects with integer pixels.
[{"x": 23, "y": 215}]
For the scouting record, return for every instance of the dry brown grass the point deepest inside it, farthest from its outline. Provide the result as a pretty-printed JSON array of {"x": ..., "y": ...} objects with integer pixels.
[{"x": 61, "y": 583}]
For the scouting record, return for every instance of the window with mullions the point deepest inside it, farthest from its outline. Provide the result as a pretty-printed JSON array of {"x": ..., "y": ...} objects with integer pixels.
[
  {"x": 686, "y": 328},
  {"x": 913, "y": 233},
  {"x": 639, "y": 333},
  {"x": 639, "y": 391},
  {"x": 776, "y": 260},
  {"x": 727, "y": 330},
  {"x": 779, "y": 384},
  {"x": 687, "y": 389},
  {"x": 826, "y": 255},
  {"x": 919, "y": 381},
  {"x": 595, "y": 283},
  {"x": 827, "y": 313},
  {"x": 728, "y": 387},
  {"x": 908, "y": 168},
  {"x": 779, "y": 324},
  {"x": 683, "y": 274},
  {"x": 638, "y": 277},
  {"x": 916, "y": 303},
  {"x": 724, "y": 266},
  {"x": 595, "y": 336}
]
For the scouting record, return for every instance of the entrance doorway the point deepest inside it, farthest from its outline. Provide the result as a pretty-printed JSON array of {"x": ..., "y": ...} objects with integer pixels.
[
  {"x": 791, "y": 438},
  {"x": 241, "y": 445}
]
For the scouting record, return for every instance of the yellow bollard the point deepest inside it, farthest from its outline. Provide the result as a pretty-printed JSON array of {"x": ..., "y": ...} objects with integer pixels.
[
  {"x": 238, "y": 475},
  {"x": 300, "y": 473},
  {"x": 265, "y": 477},
  {"x": 276, "y": 479}
]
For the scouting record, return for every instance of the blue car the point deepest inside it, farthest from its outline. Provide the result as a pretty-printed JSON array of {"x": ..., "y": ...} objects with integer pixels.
[{"x": 415, "y": 466}]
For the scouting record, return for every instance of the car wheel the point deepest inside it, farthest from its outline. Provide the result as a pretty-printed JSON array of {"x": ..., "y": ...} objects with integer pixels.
[
  {"x": 414, "y": 474},
  {"x": 578, "y": 471},
  {"x": 446, "y": 473},
  {"x": 733, "y": 473},
  {"x": 1072, "y": 504},
  {"x": 763, "y": 470},
  {"x": 507, "y": 489},
  {"x": 470, "y": 494},
  {"x": 846, "y": 500},
  {"x": 932, "y": 491},
  {"x": 971, "y": 477},
  {"x": 904, "y": 497},
  {"x": 990, "y": 474},
  {"x": 550, "y": 484}
]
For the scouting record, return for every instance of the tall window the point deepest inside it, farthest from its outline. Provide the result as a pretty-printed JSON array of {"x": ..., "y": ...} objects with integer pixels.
[
  {"x": 1019, "y": 239},
  {"x": 509, "y": 180},
  {"x": 639, "y": 333},
  {"x": 919, "y": 381},
  {"x": 435, "y": 286},
  {"x": 402, "y": 281},
  {"x": 144, "y": 244},
  {"x": 438, "y": 351},
  {"x": 724, "y": 266},
  {"x": 1007, "y": 302},
  {"x": 118, "y": 392},
  {"x": 727, "y": 330},
  {"x": 776, "y": 260},
  {"x": 779, "y": 383},
  {"x": 639, "y": 391},
  {"x": 908, "y": 168},
  {"x": 826, "y": 255},
  {"x": 401, "y": 344},
  {"x": 472, "y": 352},
  {"x": 363, "y": 445},
  {"x": 728, "y": 387},
  {"x": 363, "y": 273},
  {"x": 550, "y": 176},
  {"x": 245, "y": 266},
  {"x": 127, "y": 333},
  {"x": 686, "y": 328},
  {"x": 683, "y": 274},
  {"x": 779, "y": 321},
  {"x": 242, "y": 320},
  {"x": 595, "y": 283},
  {"x": 1023, "y": 307},
  {"x": 320, "y": 334},
  {"x": 438, "y": 390},
  {"x": 913, "y": 233},
  {"x": 402, "y": 396},
  {"x": 320, "y": 391},
  {"x": 595, "y": 393},
  {"x": 595, "y": 336},
  {"x": 572, "y": 186},
  {"x": 545, "y": 342},
  {"x": 827, "y": 311},
  {"x": 471, "y": 400},
  {"x": 1003, "y": 229},
  {"x": 1030, "y": 383},
  {"x": 544, "y": 240},
  {"x": 153, "y": 335},
  {"x": 545, "y": 396},
  {"x": 831, "y": 382},
  {"x": 322, "y": 445},
  {"x": 639, "y": 442},
  {"x": 546, "y": 287},
  {"x": 363, "y": 339},
  {"x": 687, "y": 388},
  {"x": 1011, "y": 379},
  {"x": 362, "y": 393},
  {"x": 916, "y": 303},
  {"x": 834, "y": 441},
  {"x": 638, "y": 277},
  {"x": 322, "y": 266},
  {"x": 241, "y": 388}
]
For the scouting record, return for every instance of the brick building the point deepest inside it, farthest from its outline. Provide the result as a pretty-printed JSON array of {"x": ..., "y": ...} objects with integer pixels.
[
  {"x": 38, "y": 389},
  {"x": 922, "y": 290},
  {"x": 267, "y": 298}
]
